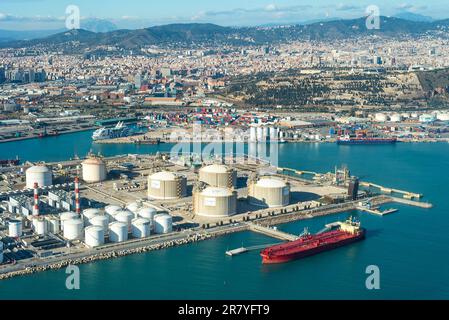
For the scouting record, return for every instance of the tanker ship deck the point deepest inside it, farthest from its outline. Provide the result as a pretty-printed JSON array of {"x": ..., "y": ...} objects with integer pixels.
[{"x": 308, "y": 245}]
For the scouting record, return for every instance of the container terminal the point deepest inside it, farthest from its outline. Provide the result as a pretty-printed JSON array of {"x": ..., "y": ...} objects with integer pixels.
[{"x": 78, "y": 211}]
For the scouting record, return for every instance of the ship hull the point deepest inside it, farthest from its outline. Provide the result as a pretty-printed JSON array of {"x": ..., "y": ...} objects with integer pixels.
[{"x": 301, "y": 254}]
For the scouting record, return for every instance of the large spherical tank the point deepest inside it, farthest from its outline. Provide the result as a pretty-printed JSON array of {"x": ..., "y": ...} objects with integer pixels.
[
  {"x": 167, "y": 185},
  {"x": 67, "y": 216},
  {"x": 125, "y": 216},
  {"x": 163, "y": 223},
  {"x": 218, "y": 176},
  {"x": 141, "y": 228},
  {"x": 118, "y": 232},
  {"x": 73, "y": 229},
  {"x": 94, "y": 236},
  {"x": 100, "y": 221},
  {"x": 41, "y": 175},
  {"x": 53, "y": 225},
  {"x": 40, "y": 226},
  {"x": 269, "y": 192},
  {"x": 15, "y": 228},
  {"x": 94, "y": 170},
  {"x": 147, "y": 213},
  {"x": 215, "y": 202}
]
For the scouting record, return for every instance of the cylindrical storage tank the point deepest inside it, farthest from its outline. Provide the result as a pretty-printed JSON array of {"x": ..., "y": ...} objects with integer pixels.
[
  {"x": 167, "y": 185},
  {"x": 40, "y": 226},
  {"x": 141, "y": 228},
  {"x": 266, "y": 133},
  {"x": 94, "y": 236},
  {"x": 133, "y": 207},
  {"x": 15, "y": 228},
  {"x": 215, "y": 202},
  {"x": 147, "y": 213},
  {"x": 73, "y": 229},
  {"x": 443, "y": 116},
  {"x": 218, "y": 176},
  {"x": 118, "y": 232},
  {"x": 68, "y": 216},
  {"x": 41, "y": 175},
  {"x": 89, "y": 214},
  {"x": 100, "y": 221},
  {"x": 111, "y": 211},
  {"x": 94, "y": 170},
  {"x": 163, "y": 223},
  {"x": 269, "y": 192},
  {"x": 396, "y": 118},
  {"x": 125, "y": 216},
  {"x": 381, "y": 117},
  {"x": 53, "y": 225}
]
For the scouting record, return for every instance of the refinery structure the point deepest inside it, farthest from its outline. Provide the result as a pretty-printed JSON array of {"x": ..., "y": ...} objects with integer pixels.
[{"x": 54, "y": 211}]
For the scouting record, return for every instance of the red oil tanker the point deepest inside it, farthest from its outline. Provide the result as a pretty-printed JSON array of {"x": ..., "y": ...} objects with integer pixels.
[{"x": 307, "y": 245}]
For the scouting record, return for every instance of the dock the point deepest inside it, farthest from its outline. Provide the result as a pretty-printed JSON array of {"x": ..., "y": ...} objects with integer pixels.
[
  {"x": 242, "y": 250},
  {"x": 406, "y": 194},
  {"x": 274, "y": 233},
  {"x": 376, "y": 211}
]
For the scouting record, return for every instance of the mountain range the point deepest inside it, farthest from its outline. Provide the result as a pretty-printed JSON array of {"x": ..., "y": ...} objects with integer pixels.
[{"x": 207, "y": 34}]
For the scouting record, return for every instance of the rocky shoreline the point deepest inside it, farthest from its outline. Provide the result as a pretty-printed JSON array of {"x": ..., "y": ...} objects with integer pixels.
[{"x": 110, "y": 255}]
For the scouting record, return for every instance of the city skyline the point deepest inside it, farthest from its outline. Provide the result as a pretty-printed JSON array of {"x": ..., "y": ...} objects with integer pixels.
[{"x": 49, "y": 14}]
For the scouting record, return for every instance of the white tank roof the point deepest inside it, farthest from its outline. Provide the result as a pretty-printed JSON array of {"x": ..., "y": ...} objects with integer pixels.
[
  {"x": 93, "y": 161},
  {"x": 271, "y": 183},
  {"x": 164, "y": 176},
  {"x": 38, "y": 169},
  {"x": 216, "y": 192},
  {"x": 215, "y": 168}
]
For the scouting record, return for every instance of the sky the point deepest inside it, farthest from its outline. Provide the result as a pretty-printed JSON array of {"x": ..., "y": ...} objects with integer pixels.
[{"x": 132, "y": 14}]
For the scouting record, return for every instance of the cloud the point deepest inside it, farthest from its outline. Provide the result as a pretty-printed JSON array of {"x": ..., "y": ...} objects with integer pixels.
[
  {"x": 410, "y": 7},
  {"x": 347, "y": 7}
]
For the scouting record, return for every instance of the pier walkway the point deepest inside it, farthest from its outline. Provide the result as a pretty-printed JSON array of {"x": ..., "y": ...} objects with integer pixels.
[{"x": 274, "y": 233}]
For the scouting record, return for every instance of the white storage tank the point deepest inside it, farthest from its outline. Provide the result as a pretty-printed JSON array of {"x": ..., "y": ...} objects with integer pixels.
[
  {"x": 125, "y": 216},
  {"x": 15, "y": 228},
  {"x": 73, "y": 229},
  {"x": 88, "y": 214},
  {"x": 66, "y": 216},
  {"x": 218, "y": 175},
  {"x": 94, "y": 170},
  {"x": 141, "y": 228},
  {"x": 215, "y": 202},
  {"x": 100, "y": 221},
  {"x": 53, "y": 225},
  {"x": 443, "y": 116},
  {"x": 396, "y": 118},
  {"x": 381, "y": 117},
  {"x": 274, "y": 134},
  {"x": 118, "y": 232},
  {"x": 147, "y": 213},
  {"x": 40, "y": 226},
  {"x": 252, "y": 134},
  {"x": 259, "y": 134},
  {"x": 269, "y": 192},
  {"x": 163, "y": 223},
  {"x": 111, "y": 211},
  {"x": 41, "y": 175},
  {"x": 134, "y": 207},
  {"x": 167, "y": 186},
  {"x": 94, "y": 236}
]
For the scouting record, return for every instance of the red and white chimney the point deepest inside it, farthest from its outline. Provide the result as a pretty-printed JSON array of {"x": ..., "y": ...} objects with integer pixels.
[
  {"x": 36, "y": 200},
  {"x": 77, "y": 196}
]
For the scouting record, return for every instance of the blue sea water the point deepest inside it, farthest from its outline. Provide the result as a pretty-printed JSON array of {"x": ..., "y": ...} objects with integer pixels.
[{"x": 410, "y": 247}]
